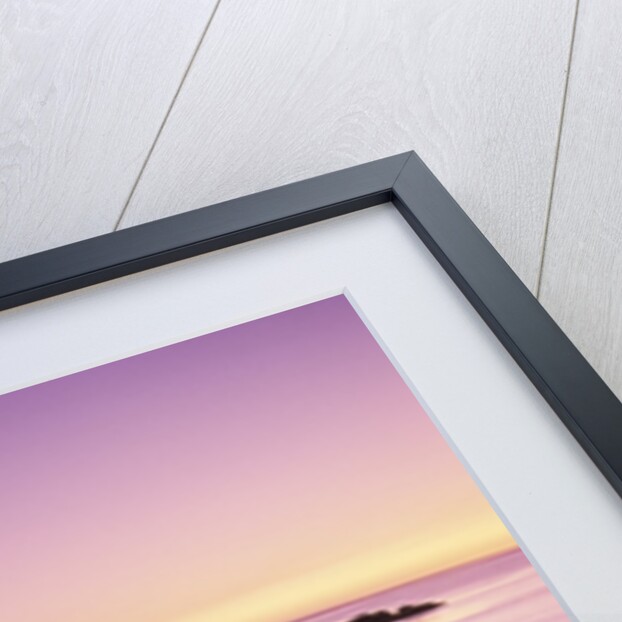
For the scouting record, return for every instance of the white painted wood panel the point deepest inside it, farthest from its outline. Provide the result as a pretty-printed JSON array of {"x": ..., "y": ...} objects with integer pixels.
[
  {"x": 282, "y": 91},
  {"x": 84, "y": 87},
  {"x": 582, "y": 275}
]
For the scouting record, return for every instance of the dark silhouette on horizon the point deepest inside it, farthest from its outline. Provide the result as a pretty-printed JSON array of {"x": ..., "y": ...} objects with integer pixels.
[{"x": 403, "y": 613}]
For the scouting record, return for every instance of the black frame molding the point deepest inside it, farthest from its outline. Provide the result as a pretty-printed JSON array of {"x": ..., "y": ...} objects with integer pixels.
[{"x": 581, "y": 399}]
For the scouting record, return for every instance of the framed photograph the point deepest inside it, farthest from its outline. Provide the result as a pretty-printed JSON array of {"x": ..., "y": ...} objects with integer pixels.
[{"x": 332, "y": 402}]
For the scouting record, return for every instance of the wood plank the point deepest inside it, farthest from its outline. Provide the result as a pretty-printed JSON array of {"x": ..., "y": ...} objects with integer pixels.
[
  {"x": 84, "y": 87},
  {"x": 279, "y": 92},
  {"x": 582, "y": 275}
]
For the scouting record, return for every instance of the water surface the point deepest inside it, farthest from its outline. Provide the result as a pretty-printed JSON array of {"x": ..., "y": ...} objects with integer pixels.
[{"x": 502, "y": 588}]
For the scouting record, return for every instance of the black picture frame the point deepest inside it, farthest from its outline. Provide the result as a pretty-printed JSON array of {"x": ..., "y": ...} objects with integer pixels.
[{"x": 572, "y": 388}]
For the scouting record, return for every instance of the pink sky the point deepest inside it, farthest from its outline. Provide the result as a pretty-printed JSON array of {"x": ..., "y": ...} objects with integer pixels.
[{"x": 280, "y": 465}]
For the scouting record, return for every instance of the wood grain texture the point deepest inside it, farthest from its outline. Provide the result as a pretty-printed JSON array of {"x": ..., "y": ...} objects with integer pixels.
[
  {"x": 279, "y": 92},
  {"x": 84, "y": 87},
  {"x": 582, "y": 270}
]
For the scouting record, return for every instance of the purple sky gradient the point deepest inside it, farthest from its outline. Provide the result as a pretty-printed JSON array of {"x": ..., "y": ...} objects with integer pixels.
[{"x": 176, "y": 480}]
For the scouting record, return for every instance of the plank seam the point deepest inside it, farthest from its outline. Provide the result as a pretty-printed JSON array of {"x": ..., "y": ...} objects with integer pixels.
[
  {"x": 547, "y": 217},
  {"x": 166, "y": 115}
]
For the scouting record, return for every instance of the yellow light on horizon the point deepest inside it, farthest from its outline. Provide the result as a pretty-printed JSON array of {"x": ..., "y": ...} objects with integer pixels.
[{"x": 359, "y": 576}]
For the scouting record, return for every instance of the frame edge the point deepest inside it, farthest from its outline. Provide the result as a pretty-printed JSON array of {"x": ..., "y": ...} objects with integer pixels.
[
  {"x": 120, "y": 253},
  {"x": 564, "y": 378},
  {"x": 571, "y": 387}
]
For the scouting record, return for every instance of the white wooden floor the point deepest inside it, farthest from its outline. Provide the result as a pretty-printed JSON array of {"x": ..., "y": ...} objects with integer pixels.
[{"x": 116, "y": 113}]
